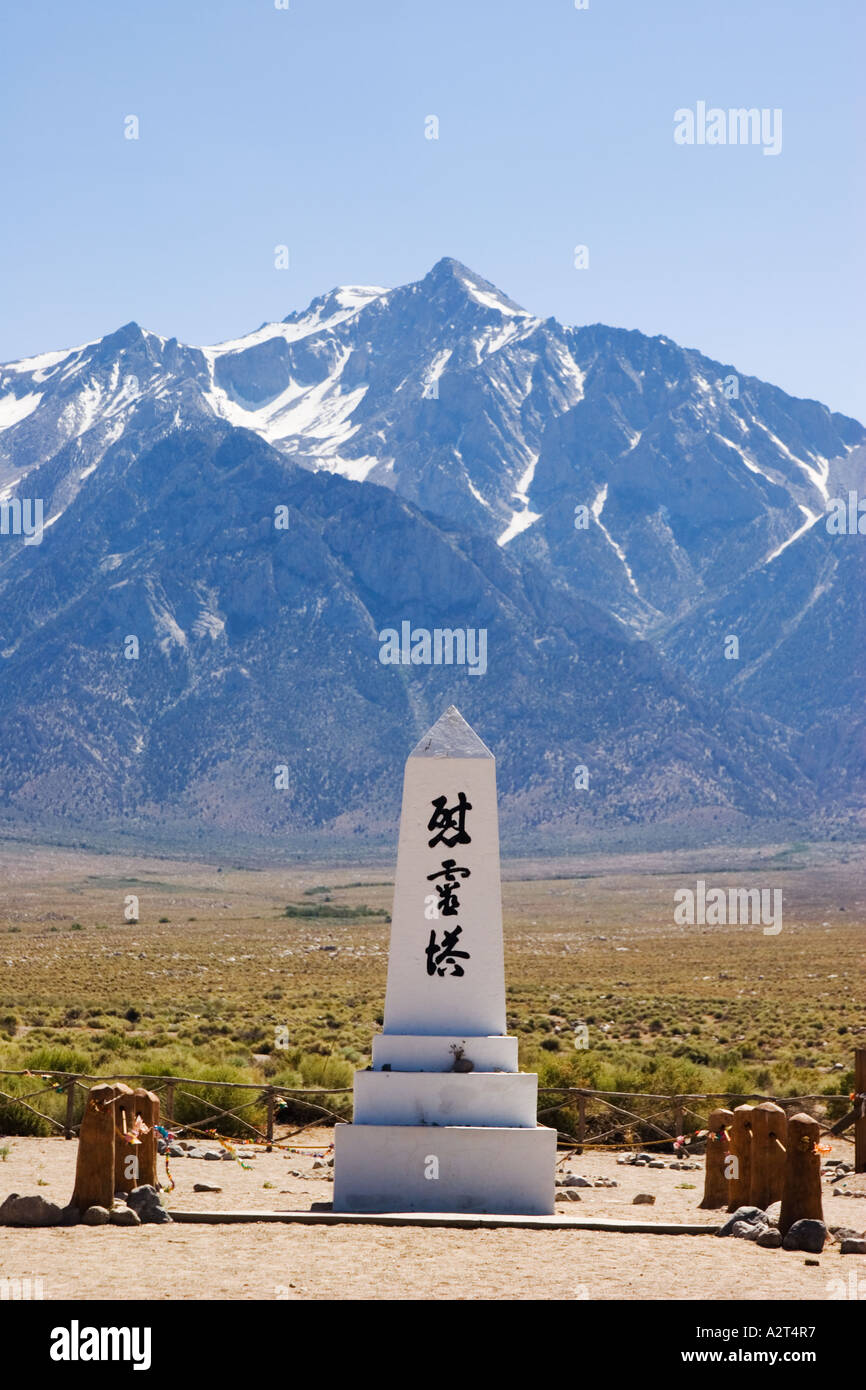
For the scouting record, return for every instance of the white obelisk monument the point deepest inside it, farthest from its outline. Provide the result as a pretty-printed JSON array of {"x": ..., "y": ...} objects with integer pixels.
[{"x": 443, "y": 1120}]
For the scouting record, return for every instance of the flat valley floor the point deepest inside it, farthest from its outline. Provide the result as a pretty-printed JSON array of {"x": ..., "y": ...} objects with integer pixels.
[{"x": 214, "y": 967}]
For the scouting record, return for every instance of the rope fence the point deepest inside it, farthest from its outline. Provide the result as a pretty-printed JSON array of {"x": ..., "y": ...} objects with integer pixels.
[
  {"x": 169, "y": 1088},
  {"x": 667, "y": 1122},
  {"x": 676, "y": 1112}
]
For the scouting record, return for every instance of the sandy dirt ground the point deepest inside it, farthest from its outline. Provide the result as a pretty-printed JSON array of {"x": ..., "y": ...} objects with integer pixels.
[{"x": 344, "y": 1262}]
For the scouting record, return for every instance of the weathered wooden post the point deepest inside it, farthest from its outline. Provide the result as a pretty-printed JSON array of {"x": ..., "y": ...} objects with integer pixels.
[
  {"x": 124, "y": 1150},
  {"x": 269, "y": 1103},
  {"x": 718, "y": 1147},
  {"x": 70, "y": 1108},
  {"x": 801, "y": 1199},
  {"x": 147, "y": 1111},
  {"x": 94, "y": 1170},
  {"x": 738, "y": 1161},
  {"x": 769, "y": 1132},
  {"x": 860, "y": 1110}
]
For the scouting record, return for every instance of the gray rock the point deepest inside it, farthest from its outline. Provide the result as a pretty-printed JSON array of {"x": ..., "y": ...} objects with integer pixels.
[
  {"x": 853, "y": 1245},
  {"x": 96, "y": 1216},
  {"x": 575, "y": 1180},
  {"x": 193, "y": 1152},
  {"x": 769, "y": 1238},
  {"x": 205, "y": 1187},
  {"x": 145, "y": 1201},
  {"x": 806, "y": 1235},
  {"x": 71, "y": 1216},
  {"x": 840, "y": 1233},
  {"x": 773, "y": 1212},
  {"x": 175, "y": 1151},
  {"x": 318, "y": 1163},
  {"x": 226, "y": 1155},
  {"x": 125, "y": 1216},
  {"x": 213, "y": 1153},
  {"x": 30, "y": 1211},
  {"x": 747, "y": 1230},
  {"x": 752, "y": 1216},
  {"x": 655, "y": 1163},
  {"x": 643, "y": 1199},
  {"x": 568, "y": 1194}
]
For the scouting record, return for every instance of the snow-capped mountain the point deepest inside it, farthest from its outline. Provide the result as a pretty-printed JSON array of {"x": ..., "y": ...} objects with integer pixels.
[
  {"x": 580, "y": 486},
  {"x": 452, "y": 395}
]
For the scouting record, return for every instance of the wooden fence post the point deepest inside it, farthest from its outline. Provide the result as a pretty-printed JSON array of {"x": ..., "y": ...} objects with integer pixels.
[
  {"x": 801, "y": 1199},
  {"x": 135, "y": 1163},
  {"x": 718, "y": 1147},
  {"x": 739, "y": 1158},
  {"x": 769, "y": 1132},
  {"x": 270, "y": 1117},
  {"x": 169, "y": 1103},
  {"x": 70, "y": 1108},
  {"x": 94, "y": 1170},
  {"x": 125, "y": 1152},
  {"x": 147, "y": 1108},
  {"x": 860, "y": 1110},
  {"x": 581, "y": 1118}
]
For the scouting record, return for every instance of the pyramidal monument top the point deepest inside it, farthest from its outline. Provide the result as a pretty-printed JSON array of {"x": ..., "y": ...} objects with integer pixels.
[{"x": 451, "y": 737}]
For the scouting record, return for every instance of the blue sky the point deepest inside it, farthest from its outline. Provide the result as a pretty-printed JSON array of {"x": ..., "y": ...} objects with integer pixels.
[{"x": 305, "y": 127}]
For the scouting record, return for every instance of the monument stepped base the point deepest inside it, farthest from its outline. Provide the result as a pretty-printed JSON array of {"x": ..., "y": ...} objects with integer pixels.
[
  {"x": 408, "y": 1052},
  {"x": 383, "y": 1168},
  {"x": 498, "y": 1100}
]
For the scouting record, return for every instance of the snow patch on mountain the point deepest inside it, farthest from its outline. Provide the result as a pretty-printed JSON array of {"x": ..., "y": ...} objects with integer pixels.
[
  {"x": 747, "y": 459},
  {"x": 597, "y": 508},
  {"x": 811, "y": 518},
  {"x": 319, "y": 412},
  {"x": 436, "y": 368},
  {"x": 817, "y": 472},
  {"x": 522, "y": 519},
  {"x": 572, "y": 373},
  {"x": 497, "y": 336},
  {"x": 43, "y": 363},
  {"x": 357, "y": 470},
  {"x": 209, "y": 623},
  {"x": 15, "y": 408}
]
